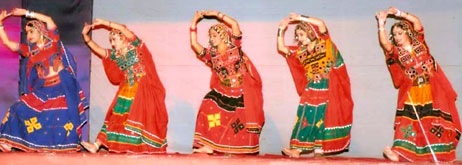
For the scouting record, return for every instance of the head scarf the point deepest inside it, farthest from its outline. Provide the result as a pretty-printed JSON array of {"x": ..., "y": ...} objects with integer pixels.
[
  {"x": 223, "y": 31},
  {"x": 306, "y": 27},
  {"x": 40, "y": 27}
]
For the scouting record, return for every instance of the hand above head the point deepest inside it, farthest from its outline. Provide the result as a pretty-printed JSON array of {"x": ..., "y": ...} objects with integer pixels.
[
  {"x": 394, "y": 11},
  {"x": 86, "y": 29},
  {"x": 197, "y": 16},
  {"x": 284, "y": 23},
  {"x": 294, "y": 17},
  {"x": 4, "y": 15},
  {"x": 98, "y": 22},
  {"x": 210, "y": 13},
  {"x": 381, "y": 17},
  {"x": 19, "y": 11}
]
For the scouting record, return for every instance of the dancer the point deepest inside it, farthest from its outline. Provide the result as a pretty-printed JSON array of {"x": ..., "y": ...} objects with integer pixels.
[
  {"x": 427, "y": 125},
  {"x": 324, "y": 114},
  {"x": 230, "y": 117},
  {"x": 136, "y": 121},
  {"x": 49, "y": 116}
]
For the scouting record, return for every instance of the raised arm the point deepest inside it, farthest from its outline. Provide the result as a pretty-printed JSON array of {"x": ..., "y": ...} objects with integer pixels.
[
  {"x": 12, "y": 45},
  {"x": 226, "y": 19},
  {"x": 282, "y": 48},
  {"x": 384, "y": 42},
  {"x": 312, "y": 20},
  {"x": 34, "y": 15},
  {"x": 112, "y": 25},
  {"x": 100, "y": 52},
  {"x": 193, "y": 33},
  {"x": 407, "y": 16}
]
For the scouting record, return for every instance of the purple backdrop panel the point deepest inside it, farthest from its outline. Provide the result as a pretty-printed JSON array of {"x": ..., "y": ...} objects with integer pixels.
[
  {"x": 70, "y": 16},
  {"x": 9, "y": 61}
]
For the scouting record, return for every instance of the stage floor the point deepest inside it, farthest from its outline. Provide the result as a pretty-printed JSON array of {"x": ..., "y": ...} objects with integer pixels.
[{"x": 101, "y": 158}]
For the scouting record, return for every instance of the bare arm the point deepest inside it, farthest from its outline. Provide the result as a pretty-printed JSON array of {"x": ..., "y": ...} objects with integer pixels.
[
  {"x": 112, "y": 25},
  {"x": 384, "y": 42},
  {"x": 312, "y": 20},
  {"x": 12, "y": 45},
  {"x": 226, "y": 19},
  {"x": 100, "y": 52},
  {"x": 41, "y": 17},
  {"x": 407, "y": 16},
  {"x": 193, "y": 33},
  {"x": 282, "y": 48}
]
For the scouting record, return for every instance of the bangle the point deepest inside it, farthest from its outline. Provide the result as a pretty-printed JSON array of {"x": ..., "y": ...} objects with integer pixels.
[
  {"x": 192, "y": 29},
  {"x": 382, "y": 23},
  {"x": 220, "y": 15},
  {"x": 29, "y": 14},
  {"x": 280, "y": 31},
  {"x": 398, "y": 14}
]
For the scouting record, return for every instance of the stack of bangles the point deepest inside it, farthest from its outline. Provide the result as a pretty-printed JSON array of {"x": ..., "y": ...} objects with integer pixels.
[{"x": 29, "y": 14}]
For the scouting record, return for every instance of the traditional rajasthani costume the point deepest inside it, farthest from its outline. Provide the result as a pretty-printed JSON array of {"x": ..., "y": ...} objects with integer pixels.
[
  {"x": 230, "y": 117},
  {"x": 324, "y": 114},
  {"x": 423, "y": 86},
  {"x": 136, "y": 121},
  {"x": 49, "y": 116}
]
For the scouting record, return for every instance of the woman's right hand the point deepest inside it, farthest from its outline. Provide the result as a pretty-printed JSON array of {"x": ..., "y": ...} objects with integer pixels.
[
  {"x": 197, "y": 16},
  {"x": 381, "y": 17},
  {"x": 4, "y": 15},
  {"x": 86, "y": 29},
  {"x": 284, "y": 23}
]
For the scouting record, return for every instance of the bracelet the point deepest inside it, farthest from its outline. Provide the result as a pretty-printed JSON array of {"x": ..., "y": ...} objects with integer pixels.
[
  {"x": 382, "y": 23},
  {"x": 29, "y": 14},
  {"x": 220, "y": 15},
  {"x": 192, "y": 29},
  {"x": 280, "y": 31},
  {"x": 381, "y": 29},
  {"x": 398, "y": 14}
]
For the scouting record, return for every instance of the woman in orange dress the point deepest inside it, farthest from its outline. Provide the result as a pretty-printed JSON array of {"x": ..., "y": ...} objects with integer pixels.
[
  {"x": 433, "y": 133},
  {"x": 136, "y": 121}
]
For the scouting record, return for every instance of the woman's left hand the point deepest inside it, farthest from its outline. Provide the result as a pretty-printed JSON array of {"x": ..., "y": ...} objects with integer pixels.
[
  {"x": 4, "y": 15},
  {"x": 392, "y": 10},
  {"x": 18, "y": 11},
  {"x": 294, "y": 17},
  {"x": 210, "y": 13},
  {"x": 98, "y": 22}
]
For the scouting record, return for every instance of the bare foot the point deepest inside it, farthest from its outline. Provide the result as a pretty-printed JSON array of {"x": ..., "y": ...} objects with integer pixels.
[
  {"x": 91, "y": 147},
  {"x": 318, "y": 152},
  {"x": 5, "y": 147},
  {"x": 389, "y": 154},
  {"x": 203, "y": 149},
  {"x": 293, "y": 153}
]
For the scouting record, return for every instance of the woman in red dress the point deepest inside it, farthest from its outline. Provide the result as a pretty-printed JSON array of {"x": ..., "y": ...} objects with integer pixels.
[
  {"x": 231, "y": 117},
  {"x": 433, "y": 133},
  {"x": 136, "y": 121}
]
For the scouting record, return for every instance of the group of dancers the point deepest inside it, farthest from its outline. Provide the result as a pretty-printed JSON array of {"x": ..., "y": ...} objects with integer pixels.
[{"x": 49, "y": 115}]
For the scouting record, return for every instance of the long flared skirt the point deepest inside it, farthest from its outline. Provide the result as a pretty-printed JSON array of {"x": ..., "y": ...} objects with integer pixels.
[
  {"x": 409, "y": 139},
  {"x": 221, "y": 122},
  {"x": 119, "y": 135},
  {"x": 310, "y": 131},
  {"x": 49, "y": 119}
]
